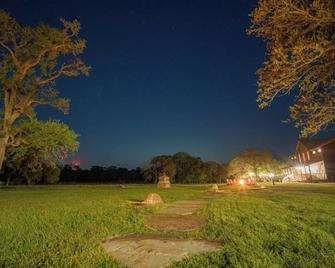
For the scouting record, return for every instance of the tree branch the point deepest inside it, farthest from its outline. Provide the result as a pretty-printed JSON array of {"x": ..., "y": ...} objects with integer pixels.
[{"x": 11, "y": 52}]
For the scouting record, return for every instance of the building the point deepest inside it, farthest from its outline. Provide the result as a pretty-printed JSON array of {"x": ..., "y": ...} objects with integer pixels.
[{"x": 314, "y": 160}]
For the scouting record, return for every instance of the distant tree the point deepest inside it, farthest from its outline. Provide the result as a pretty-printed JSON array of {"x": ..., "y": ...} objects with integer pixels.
[
  {"x": 44, "y": 143},
  {"x": 160, "y": 165},
  {"x": 189, "y": 169},
  {"x": 51, "y": 174},
  {"x": 252, "y": 161},
  {"x": 31, "y": 60},
  {"x": 213, "y": 172},
  {"x": 98, "y": 174},
  {"x": 67, "y": 174},
  {"x": 185, "y": 168},
  {"x": 300, "y": 39}
]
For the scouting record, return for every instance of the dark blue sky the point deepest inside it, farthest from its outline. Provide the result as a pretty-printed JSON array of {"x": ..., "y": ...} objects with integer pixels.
[{"x": 167, "y": 76}]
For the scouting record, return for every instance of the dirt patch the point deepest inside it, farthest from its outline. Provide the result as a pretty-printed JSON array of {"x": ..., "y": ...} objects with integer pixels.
[
  {"x": 168, "y": 223},
  {"x": 148, "y": 251}
]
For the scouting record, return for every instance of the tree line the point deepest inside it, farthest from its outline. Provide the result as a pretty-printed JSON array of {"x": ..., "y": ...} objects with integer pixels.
[
  {"x": 99, "y": 174},
  {"x": 185, "y": 168},
  {"x": 180, "y": 168}
]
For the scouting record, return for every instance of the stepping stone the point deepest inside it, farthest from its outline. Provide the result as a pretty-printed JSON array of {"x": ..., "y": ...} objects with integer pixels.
[
  {"x": 148, "y": 251},
  {"x": 183, "y": 207},
  {"x": 176, "y": 223},
  {"x": 178, "y": 210}
]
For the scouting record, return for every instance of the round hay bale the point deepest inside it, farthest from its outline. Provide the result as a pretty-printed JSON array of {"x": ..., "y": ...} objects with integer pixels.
[
  {"x": 164, "y": 182},
  {"x": 152, "y": 199},
  {"x": 214, "y": 188}
]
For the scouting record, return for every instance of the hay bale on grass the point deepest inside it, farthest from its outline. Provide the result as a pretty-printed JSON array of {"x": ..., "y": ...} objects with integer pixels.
[
  {"x": 164, "y": 182},
  {"x": 214, "y": 188},
  {"x": 152, "y": 199}
]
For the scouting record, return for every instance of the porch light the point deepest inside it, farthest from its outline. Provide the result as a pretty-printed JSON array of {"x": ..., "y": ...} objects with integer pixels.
[
  {"x": 241, "y": 182},
  {"x": 299, "y": 168}
]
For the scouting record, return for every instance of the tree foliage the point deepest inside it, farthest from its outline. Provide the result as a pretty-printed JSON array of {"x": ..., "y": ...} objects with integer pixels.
[
  {"x": 300, "y": 37},
  {"x": 214, "y": 172},
  {"x": 160, "y": 165},
  {"x": 189, "y": 169},
  {"x": 185, "y": 168},
  {"x": 31, "y": 60},
  {"x": 44, "y": 144},
  {"x": 97, "y": 174},
  {"x": 253, "y": 163}
]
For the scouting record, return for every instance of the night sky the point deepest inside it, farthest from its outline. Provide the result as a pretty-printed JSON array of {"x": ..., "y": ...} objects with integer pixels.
[{"x": 167, "y": 76}]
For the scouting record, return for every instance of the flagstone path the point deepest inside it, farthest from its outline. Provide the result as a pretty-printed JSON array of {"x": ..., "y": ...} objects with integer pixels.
[
  {"x": 149, "y": 251},
  {"x": 143, "y": 251}
]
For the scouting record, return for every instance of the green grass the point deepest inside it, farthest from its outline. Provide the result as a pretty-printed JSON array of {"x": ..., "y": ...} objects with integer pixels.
[{"x": 288, "y": 225}]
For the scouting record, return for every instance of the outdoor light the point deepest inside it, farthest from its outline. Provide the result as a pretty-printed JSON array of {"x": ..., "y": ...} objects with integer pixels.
[
  {"x": 241, "y": 182},
  {"x": 319, "y": 150},
  {"x": 314, "y": 152},
  {"x": 299, "y": 168}
]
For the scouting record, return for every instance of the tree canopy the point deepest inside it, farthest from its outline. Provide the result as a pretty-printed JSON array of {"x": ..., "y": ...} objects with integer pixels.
[
  {"x": 44, "y": 144},
  {"x": 300, "y": 54},
  {"x": 253, "y": 163},
  {"x": 160, "y": 165},
  {"x": 185, "y": 168},
  {"x": 31, "y": 60}
]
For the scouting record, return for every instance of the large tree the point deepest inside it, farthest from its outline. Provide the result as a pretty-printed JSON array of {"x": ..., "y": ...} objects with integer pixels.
[
  {"x": 214, "y": 172},
  {"x": 160, "y": 165},
  {"x": 31, "y": 60},
  {"x": 43, "y": 145},
  {"x": 252, "y": 163},
  {"x": 300, "y": 38},
  {"x": 189, "y": 169}
]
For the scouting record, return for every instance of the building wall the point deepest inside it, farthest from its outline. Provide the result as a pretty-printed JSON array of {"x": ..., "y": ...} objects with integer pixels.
[
  {"x": 311, "y": 164},
  {"x": 328, "y": 153}
]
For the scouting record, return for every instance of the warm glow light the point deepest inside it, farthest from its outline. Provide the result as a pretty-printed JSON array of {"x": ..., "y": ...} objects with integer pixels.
[
  {"x": 319, "y": 150},
  {"x": 299, "y": 168},
  {"x": 241, "y": 182},
  {"x": 251, "y": 174},
  {"x": 314, "y": 152}
]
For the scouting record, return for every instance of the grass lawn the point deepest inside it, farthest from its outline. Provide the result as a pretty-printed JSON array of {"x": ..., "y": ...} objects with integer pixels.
[{"x": 288, "y": 225}]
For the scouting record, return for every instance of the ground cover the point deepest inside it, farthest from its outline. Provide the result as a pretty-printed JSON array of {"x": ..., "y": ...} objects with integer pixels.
[{"x": 286, "y": 225}]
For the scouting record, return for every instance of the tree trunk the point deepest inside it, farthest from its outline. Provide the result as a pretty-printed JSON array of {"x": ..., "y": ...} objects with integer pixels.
[
  {"x": 3, "y": 145},
  {"x": 8, "y": 180},
  {"x": 9, "y": 102}
]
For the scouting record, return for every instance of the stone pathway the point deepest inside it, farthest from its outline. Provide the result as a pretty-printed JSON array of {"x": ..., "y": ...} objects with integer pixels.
[
  {"x": 175, "y": 223},
  {"x": 143, "y": 251},
  {"x": 184, "y": 207},
  {"x": 178, "y": 216},
  {"x": 155, "y": 251}
]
